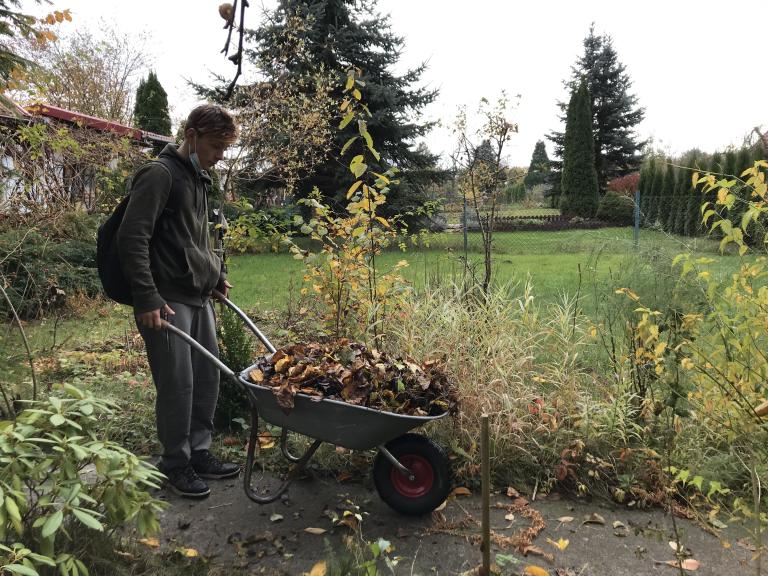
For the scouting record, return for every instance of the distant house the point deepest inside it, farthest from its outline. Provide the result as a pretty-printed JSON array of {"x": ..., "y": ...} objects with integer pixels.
[{"x": 63, "y": 173}]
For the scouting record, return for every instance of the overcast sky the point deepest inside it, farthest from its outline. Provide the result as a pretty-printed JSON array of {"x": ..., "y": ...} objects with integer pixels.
[{"x": 698, "y": 67}]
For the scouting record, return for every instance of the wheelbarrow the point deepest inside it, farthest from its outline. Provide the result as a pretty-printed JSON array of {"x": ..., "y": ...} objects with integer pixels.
[{"x": 411, "y": 473}]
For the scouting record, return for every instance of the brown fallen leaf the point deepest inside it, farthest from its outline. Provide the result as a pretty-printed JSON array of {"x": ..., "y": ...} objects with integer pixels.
[
  {"x": 231, "y": 441},
  {"x": 536, "y": 551},
  {"x": 316, "y": 531},
  {"x": 688, "y": 564},
  {"x": 512, "y": 493},
  {"x": 151, "y": 542},
  {"x": 594, "y": 518},
  {"x": 461, "y": 491},
  {"x": 565, "y": 519},
  {"x": 256, "y": 376}
]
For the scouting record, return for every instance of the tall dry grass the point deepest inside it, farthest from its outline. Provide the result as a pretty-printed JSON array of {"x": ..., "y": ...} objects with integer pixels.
[{"x": 523, "y": 365}]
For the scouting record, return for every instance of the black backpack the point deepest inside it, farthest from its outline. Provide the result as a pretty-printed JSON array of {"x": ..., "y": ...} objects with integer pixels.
[{"x": 116, "y": 285}]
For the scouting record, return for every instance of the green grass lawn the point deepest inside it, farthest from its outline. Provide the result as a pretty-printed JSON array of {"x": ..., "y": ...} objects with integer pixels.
[{"x": 556, "y": 262}]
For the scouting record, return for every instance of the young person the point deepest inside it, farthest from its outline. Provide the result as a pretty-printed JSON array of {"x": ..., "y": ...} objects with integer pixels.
[{"x": 165, "y": 252}]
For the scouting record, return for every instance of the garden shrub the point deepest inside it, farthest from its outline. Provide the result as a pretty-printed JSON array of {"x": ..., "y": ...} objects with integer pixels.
[
  {"x": 48, "y": 493},
  {"x": 41, "y": 271},
  {"x": 47, "y": 258},
  {"x": 236, "y": 351},
  {"x": 617, "y": 209}
]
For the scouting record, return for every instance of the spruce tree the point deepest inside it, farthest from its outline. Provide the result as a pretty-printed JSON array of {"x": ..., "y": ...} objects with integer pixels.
[
  {"x": 579, "y": 181},
  {"x": 538, "y": 171},
  {"x": 150, "y": 112},
  {"x": 334, "y": 35},
  {"x": 615, "y": 112}
]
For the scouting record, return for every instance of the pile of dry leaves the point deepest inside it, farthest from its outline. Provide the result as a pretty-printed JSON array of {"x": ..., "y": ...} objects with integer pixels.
[{"x": 350, "y": 372}]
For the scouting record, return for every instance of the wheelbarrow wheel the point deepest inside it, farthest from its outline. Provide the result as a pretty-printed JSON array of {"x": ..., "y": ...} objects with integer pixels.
[{"x": 431, "y": 481}]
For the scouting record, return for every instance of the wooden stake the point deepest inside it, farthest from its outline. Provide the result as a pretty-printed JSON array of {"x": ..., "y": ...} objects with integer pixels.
[{"x": 485, "y": 464}]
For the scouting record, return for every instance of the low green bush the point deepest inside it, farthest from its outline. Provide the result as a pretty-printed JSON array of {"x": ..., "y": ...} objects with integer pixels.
[
  {"x": 616, "y": 209},
  {"x": 59, "y": 476}
]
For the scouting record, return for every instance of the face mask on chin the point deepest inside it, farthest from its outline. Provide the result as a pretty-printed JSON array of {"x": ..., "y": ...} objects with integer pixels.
[{"x": 195, "y": 159}]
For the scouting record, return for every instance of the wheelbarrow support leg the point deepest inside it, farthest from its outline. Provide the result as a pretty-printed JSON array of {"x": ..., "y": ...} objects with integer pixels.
[
  {"x": 292, "y": 474},
  {"x": 400, "y": 468},
  {"x": 284, "y": 447}
]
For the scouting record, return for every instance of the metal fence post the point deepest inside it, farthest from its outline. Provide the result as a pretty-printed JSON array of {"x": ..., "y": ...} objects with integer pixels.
[{"x": 637, "y": 218}]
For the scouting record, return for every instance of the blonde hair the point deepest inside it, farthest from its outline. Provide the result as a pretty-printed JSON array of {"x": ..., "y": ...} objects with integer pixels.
[{"x": 212, "y": 119}]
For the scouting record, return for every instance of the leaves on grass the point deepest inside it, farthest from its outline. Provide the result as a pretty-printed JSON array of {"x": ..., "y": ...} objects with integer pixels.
[{"x": 350, "y": 372}]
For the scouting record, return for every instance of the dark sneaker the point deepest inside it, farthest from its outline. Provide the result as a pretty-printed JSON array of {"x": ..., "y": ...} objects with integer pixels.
[
  {"x": 184, "y": 481},
  {"x": 208, "y": 466}
]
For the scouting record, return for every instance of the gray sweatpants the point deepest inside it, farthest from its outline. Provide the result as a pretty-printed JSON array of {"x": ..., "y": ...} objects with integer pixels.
[{"x": 187, "y": 384}]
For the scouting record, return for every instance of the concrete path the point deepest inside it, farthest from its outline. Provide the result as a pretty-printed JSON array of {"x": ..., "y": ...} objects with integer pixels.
[{"x": 273, "y": 539}]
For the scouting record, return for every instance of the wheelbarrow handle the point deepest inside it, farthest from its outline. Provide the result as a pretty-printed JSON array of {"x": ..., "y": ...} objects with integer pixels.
[
  {"x": 248, "y": 322},
  {"x": 200, "y": 348}
]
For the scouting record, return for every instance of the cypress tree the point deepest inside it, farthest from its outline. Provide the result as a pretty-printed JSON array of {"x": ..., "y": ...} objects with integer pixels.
[
  {"x": 150, "y": 112},
  {"x": 646, "y": 175},
  {"x": 681, "y": 201},
  {"x": 657, "y": 183},
  {"x": 538, "y": 171},
  {"x": 667, "y": 197},
  {"x": 670, "y": 191},
  {"x": 579, "y": 181}
]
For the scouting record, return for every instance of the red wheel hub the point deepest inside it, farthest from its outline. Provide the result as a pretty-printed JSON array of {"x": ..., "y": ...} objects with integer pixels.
[{"x": 423, "y": 476}]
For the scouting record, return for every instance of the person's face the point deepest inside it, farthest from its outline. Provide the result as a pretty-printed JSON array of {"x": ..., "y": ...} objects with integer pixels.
[{"x": 210, "y": 149}]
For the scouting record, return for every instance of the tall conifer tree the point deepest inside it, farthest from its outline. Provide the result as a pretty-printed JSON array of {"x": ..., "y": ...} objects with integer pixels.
[
  {"x": 615, "y": 111},
  {"x": 151, "y": 109},
  {"x": 334, "y": 35},
  {"x": 579, "y": 182}
]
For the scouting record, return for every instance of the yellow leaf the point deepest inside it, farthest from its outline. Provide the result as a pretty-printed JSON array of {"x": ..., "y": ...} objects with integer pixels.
[
  {"x": 318, "y": 569},
  {"x": 687, "y": 363},
  {"x": 151, "y": 542},
  {"x": 353, "y": 189},
  {"x": 356, "y": 93},
  {"x": 561, "y": 544},
  {"x": 535, "y": 571},
  {"x": 190, "y": 552},
  {"x": 350, "y": 82}
]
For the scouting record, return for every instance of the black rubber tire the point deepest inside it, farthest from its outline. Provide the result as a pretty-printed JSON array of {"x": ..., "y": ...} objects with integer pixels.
[{"x": 433, "y": 462}]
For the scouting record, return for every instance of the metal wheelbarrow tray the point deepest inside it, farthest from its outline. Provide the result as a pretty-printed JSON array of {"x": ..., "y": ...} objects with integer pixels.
[{"x": 410, "y": 472}]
